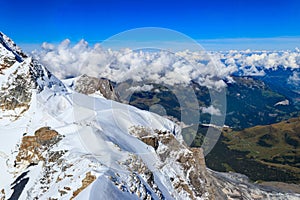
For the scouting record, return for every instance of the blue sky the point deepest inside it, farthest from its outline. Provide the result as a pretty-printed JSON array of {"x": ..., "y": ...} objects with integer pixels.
[{"x": 213, "y": 22}]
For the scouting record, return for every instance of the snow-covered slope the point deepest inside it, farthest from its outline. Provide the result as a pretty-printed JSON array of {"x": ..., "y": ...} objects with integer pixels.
[
  {"x": 20, "y": 76},
  {"x": 60, "y": 144}
]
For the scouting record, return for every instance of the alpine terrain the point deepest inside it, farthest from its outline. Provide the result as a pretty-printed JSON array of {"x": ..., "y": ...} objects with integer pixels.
[{"x": 68, "y": 141}]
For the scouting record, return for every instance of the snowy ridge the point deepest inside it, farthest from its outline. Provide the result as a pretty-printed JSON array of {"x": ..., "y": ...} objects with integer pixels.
[
  {"x": 92, "y": 86},
  {"x": 12, "y": 47},
  {"x": 67, "y": 145},
  {"x": 20, "y": 77}
]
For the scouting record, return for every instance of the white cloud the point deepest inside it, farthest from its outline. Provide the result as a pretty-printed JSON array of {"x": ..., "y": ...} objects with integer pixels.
[
  {"x": 65, "y": 60},
  {"x": 211, "y": 110},
  {"x": 253, "y": 63},
  {"x": 47, "y": 46},
  {"x": 144, "y": 88},
  {"x": 294, "y": 79},
  {"x": 208, "y": 69}
]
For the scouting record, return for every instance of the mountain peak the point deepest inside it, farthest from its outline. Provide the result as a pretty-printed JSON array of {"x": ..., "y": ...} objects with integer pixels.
[
  {"x": 71, "y": 145},
  {"x": 20, "y": 77},
  {"x": 91, "y": 85},
  {"x": 11, "y": 46}
]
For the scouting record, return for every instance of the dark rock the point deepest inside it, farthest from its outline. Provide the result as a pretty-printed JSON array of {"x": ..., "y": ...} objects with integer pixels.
[
  {"x": 90, "y": 85},
  {"x": 151, "y": 140}
]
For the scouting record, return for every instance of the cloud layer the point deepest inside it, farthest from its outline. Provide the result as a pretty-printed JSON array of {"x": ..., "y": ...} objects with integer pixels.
[
  {"x": 255, "y": 62},
  {"x": 211, "y": 110},
  {"x": 206, "y": 68}
]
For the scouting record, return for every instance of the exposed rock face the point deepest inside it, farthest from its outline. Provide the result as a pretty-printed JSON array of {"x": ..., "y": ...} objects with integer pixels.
[
  {"x": 139, "y": 169},
  {"x": 197, "y": 181},
  {"x": 15, "y": 92},
  {"x": 95, "y": 150},
  {"x": 32, "y": 147},
  {"x": 191, "y": 160},
  {"x": 6, "y": 62},
  {"x": 198, "y": 153},
  {"x": 90, "y": 85},
  {"x": 20, "y": 76},
  {"x": 192, "y": 179},
  {"x": 2, "y": 194},
  {"x": 16, "y": 54},
  {"x": 151, "y": 140},
  {"x": 89, "y": 178}
]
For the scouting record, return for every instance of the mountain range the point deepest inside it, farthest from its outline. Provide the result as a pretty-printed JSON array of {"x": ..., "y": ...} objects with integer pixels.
[{"x": 64, "y": 140}]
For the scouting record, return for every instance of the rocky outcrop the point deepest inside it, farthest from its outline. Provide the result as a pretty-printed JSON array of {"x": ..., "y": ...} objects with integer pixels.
[
  {"x": 60, "y": 165},
  {"x": 16, "y": 93},
  {"x": 6, "y": 63},
  {"x": 20, "y": 77},
  {"x": 15, "y": 90},
  {"x": 151, "y": 140},
  {"x": 194, "y": 179},
  {"x": 139, "y": 172},
  {"x": 90, "y": 85},
  {"x": 11, "y": 46},
  {"x": 2, "y": 194},
  {"x": 32, "y": 147},
  {"x": 88, "y": 179}
]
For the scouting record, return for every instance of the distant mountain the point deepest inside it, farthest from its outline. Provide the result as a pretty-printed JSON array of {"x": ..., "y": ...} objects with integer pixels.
[
  {"x": 61, "y": 144},
  {"x": 250, "y": 102},
  {"x": 264, "y": 153},
  {"x": 276, "y": 145},
  {"x": 284, "y": 81}
]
